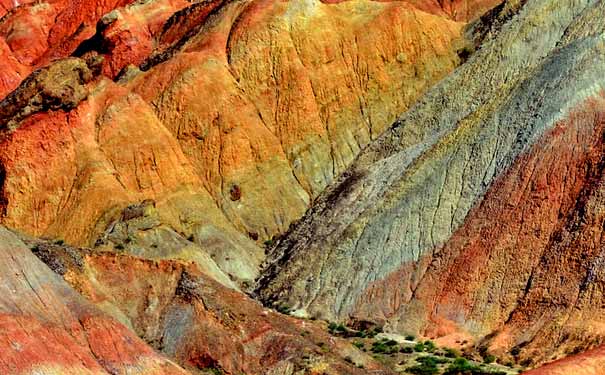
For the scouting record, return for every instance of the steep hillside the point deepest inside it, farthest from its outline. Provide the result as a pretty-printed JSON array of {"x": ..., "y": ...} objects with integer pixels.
[
  {"x": 231, "y": 116},
  {"x": 433, "y": 168},
  {"x": 477, "y": 215},
  {"x": 48, "y": 328},
  {"x": 199, "y": 323}
]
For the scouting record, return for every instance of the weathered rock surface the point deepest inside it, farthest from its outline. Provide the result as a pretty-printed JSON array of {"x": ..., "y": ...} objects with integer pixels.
[
  {"x": 186, "y": 133},
  {"x": 48, "y": 328},
  {"x": 477, "y": 214},
  {"x": 198, "y": 322},
  {"x": 35, "y": 33},
  {"x": 243, "y": 112}
]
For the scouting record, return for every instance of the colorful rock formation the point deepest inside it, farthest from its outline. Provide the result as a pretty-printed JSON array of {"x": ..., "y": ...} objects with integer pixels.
[
  {"x": 198, "y": 322},
  {"x": 48, "y": 328},
  {"x": 431, "y": 166},
  {"x": 477, "y": 215}
]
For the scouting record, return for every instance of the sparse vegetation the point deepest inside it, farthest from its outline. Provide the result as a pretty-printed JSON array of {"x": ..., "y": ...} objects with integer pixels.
[
  {"x": 419, "y": 347},
  {"x": 429, "y": 346},
  {"x": 385, "y": 347},
  {"x": 284, "y": 309},
  {"x": 489, "y": 358},
  {"x": 425, "y": 366},
  {"x": 406, "y": 349},
  {"x": 461, "y": 366},
  {"x": 214, "y": 371},
  {"x": 451, "y": 353}
]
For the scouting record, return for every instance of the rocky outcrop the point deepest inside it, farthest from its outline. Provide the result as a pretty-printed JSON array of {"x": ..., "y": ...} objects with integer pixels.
[
  {"x": 35, "y": 33},
  {"x": 414, "y": 233},
  {"x": 48, "y": 328},
  {"x": 198, "y": 322},
  {"x": 60, "y": 86}
]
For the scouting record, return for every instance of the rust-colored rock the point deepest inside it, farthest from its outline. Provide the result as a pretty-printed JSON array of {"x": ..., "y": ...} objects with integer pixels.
[
  {"x": 199, "y": 322},
  {"x": 48, "y": 328}
]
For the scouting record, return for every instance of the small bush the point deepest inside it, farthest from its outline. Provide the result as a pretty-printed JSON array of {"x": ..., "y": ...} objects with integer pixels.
[
  {"x": 461, "y": 366},
  {"x": 410, "y": 337},
  {"x": 349, "y": 360},
  {"x": 423, "y": 369},
  {"x": 431, "y": 360},
  {"x": 335, "y": 328},
  {"x": 362, "y": 334},
  {"x": 429, "y": 346},
  {"x": 407, "y": 350},
  {"x": 451, "y": 353},
  {"x": 384, "y": 347},
  {"x": 488, "y": 358},
  {"x": 419, "y": 347}
]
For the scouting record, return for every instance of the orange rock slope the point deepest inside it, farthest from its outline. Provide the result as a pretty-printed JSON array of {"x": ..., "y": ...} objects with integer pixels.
[{"x": 243, "y": 111}]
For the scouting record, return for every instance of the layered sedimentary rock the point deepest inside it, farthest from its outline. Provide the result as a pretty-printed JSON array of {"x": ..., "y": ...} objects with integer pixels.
[
  {"x": 238, "y": 114},
  {"x": 198, "y": 322},
  {"x": 477, "y": 214},
  {"x": 48, "y": 328}
]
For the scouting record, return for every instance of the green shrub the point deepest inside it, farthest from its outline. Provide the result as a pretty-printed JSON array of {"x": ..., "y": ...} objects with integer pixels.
[
  {"x": 362, "y": 334},
  {"x": 429, "y": 346},
  {"x": 488, "y": 358},
  {"x": 462, "y": 366},
  {"x": 335, "y": 328},
  {"x": 459, "y": 366},
  {"x": 451, "y": 353},
  {"x": 407, "y": 350},
  {"x": 410, "y": 337},
  {"x": 431, "y": 360},
  {"x": 426, "y": 368},
  {"x": 384, "y": 347},
  {"x": 419, "y": 347}
]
